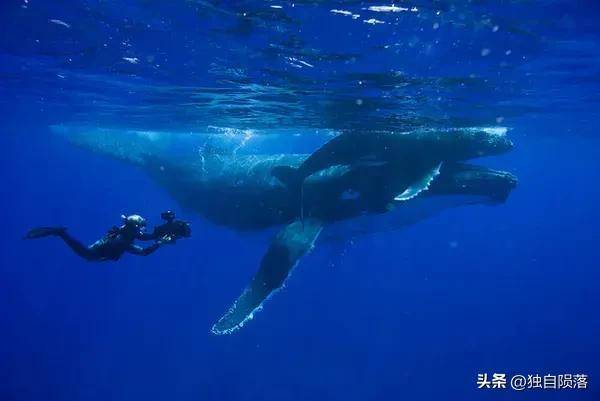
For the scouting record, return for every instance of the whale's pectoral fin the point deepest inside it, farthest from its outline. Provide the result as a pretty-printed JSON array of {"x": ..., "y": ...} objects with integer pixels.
[
  {"x": 422, "y": 184},
  {"x": 286, "y": 249}
]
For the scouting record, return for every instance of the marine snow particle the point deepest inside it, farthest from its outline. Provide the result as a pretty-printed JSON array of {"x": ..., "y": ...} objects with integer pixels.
[{"x": 60, "y": 22}]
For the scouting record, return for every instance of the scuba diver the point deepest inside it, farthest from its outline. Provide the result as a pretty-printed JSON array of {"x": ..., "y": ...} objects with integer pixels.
[{"x": 119, "y": 240}]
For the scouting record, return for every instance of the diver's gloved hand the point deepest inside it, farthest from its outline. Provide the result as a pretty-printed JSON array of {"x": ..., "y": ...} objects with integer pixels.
[{"x": 166, "y": 239}]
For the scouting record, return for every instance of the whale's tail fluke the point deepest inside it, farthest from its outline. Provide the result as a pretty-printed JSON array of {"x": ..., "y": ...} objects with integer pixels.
[{"x": 286, "y": 249}]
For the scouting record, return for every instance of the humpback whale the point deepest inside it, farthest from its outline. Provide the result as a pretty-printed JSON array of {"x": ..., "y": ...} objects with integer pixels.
[{"x": 384, "y": 184}]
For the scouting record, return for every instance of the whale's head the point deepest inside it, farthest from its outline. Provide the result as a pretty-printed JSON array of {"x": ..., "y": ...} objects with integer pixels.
[
  {"x": 489, "y": 185},
  {"x": 471, "y": 143},
  {"x": 460, "y": 144}
]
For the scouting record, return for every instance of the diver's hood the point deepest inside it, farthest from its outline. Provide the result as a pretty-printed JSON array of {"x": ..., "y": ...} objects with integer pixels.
[{"x": 134, "y": 220}]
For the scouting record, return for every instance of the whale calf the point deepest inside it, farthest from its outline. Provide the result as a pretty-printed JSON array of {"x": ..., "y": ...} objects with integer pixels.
[{"x": 414, "y": 151}]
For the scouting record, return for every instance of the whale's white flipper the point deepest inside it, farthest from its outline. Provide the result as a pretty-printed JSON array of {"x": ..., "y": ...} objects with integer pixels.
[
  {"x": 286, "y": 249},
  {"x": 421, "y": 185}
]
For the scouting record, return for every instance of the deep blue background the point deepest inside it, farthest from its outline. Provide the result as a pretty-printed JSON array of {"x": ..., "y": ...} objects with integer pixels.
[
  {"x": 412, "y": 315},
  {"x": 398, "y": 315}
]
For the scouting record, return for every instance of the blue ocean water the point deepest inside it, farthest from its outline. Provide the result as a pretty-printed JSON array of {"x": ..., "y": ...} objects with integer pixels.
[{"x": 413, "y": 314}]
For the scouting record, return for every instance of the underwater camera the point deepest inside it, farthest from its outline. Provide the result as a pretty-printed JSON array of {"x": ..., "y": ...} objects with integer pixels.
[{"x": 173, "y": 228}]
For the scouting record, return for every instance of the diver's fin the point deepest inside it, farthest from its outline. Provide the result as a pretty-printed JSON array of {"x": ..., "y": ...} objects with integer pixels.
[
  {"x": 40, "y": 232},
  {"x": 289, "y": 176},
  {"x": 422, "y": 184},
  {"x": 288, "y": 246}
]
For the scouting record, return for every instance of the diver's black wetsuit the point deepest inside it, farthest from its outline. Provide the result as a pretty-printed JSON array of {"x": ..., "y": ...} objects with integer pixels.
[{"x": 110, "y": 247}]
